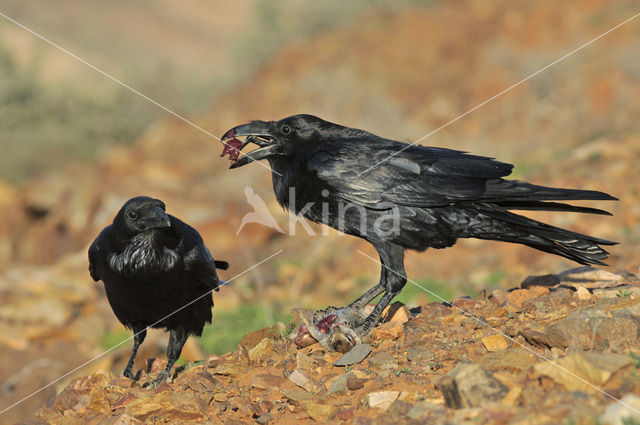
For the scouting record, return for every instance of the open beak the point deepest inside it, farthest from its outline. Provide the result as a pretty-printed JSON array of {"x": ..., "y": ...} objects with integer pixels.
[{"x": 257, "y": 132}]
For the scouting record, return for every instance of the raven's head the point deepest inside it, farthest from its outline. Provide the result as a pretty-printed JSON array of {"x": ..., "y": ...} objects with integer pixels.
[
  {"x": 140, "y": 214},
  {"x": 287, "y": 137}
]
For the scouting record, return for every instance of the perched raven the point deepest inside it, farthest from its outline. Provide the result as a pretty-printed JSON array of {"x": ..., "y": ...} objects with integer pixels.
[
  {"x": 399, "y": 197},
  {"x": 157, "y": 272}
]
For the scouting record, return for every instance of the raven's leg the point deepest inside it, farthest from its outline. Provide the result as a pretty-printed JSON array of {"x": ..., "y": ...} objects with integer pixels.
[
  {"x": 358, "y": 304},
  {"x": 177, "y": 338},
  {"x": 392, "y": 259},
  {"x": 371, "y": 293},
  {"x": 139, "y": 334}
]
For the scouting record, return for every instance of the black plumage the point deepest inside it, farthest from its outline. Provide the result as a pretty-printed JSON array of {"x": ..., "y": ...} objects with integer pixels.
[
  {"x": 158, "y": 273},
  {"x": 398, "y": 196}
]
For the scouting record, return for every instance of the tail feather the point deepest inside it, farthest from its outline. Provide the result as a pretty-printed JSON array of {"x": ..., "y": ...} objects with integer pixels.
[
  {"x": 578, "y": 247},
  {"x": 548, "y": 206},
  {"x": 500, "y": 189}
]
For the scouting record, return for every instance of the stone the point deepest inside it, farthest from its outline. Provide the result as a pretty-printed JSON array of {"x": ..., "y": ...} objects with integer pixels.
[
  {"x": 356, "y": 355},
  {"x": 419, "y": 354},
  {"x": 469, "y": 385},
  {"x": 419, "y": 410},
  {"x": 99, "y": 401},
  {"x": 589, "y": 277},
  {"x": 346, "y": 415},
  {"x": 252, "y": 339},
  {"x": 172, "y": 406},
  {"x": 396, "y": 312},
  {"x": 535, "y": 335},
  {"x": 387, "y": 331},
  {"x": 125, "y": 419},
  {"x": 200, "y": 381},
  {"x": 383, "y": 360},
  {"x": 538, "y": 291},
  {"x": 340, "y": 384},
  {"x": 355, "y": 383},
  {"x": 262, "y": 351},
  {"x": 243, "y": 354},
  {"x": 305, "y": 362},
  {"x": 264, "y": 418},
  {"x": 213, "y": 360},
  {"x": 123, "y": 401},
  {"x": 592, "y": 329},
  {"x": 577, "y": 372},
  {"x": 303, "y": 380},
  {"x": 266, "y": 381},
  {"x": 382, "y": 399},
  {"x": 230, "y": 369},
  {"x": 512, "y": 396},
  {"x": 465, "y": 303},
  {"x": 499, "y": 295},
  {"x": 318, "y": 411},
  {"x": 616, "y": 292},
  {"x": 583, "y": 293},
  {"x": 296, "y": 395},
  {"x": 12, "y": 337},
  {"x": 518, "y": 297},
  {"x": 622, "y": 412},
  {"x": 495, "y": 342},
  {"x": 512, "y": 359},
  {"x": 399, "y": 408}
]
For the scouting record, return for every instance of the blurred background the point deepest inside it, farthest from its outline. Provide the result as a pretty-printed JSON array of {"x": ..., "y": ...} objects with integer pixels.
[{"x": 74, "y": 145}]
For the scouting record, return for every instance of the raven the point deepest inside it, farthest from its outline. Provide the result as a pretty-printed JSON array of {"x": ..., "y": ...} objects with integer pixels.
[
  {"x": 399, "y": 196},
  {"x": 158, "y": 273}
]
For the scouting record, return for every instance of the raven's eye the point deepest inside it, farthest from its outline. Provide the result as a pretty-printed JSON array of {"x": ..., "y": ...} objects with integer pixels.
[
  {"x": 285, "y": 129},
  {"x": 133, "y": 215}
]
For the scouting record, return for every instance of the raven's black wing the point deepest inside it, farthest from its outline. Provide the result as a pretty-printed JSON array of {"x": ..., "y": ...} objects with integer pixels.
[
  {"x": 379, "y": 173},
  {"x": 98, "y": 252},
  {"x": 416, "y": 176},
  {"x": 197, "y": 258}
]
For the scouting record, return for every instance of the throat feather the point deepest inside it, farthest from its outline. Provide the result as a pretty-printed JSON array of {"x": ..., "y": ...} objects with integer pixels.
[{"x": 144, "y": 254}]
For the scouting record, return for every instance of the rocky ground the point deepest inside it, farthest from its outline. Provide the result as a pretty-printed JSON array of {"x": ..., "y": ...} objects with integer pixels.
[
  {"x": 560, "y": 349},
  {"x": 575, "y": 125}
]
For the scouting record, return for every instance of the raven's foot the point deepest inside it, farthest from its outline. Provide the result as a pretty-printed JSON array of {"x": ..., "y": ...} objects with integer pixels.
[
  {"x": 163, "y": 376},
  {"x": 128, "y": 373}
]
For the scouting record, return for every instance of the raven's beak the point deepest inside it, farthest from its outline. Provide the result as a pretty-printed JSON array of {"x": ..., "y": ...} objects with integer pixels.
[
  {"x": 257, "y": 132},
  {"x": 158, "y": 219}
]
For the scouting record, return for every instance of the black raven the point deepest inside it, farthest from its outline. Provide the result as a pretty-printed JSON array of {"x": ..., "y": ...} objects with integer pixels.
[
  {"x": 398, "y": 196},
  {"x": 157, "y": 273}
]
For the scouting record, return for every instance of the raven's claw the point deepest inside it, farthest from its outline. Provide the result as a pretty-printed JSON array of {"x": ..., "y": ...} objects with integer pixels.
[{"x": 162, "y": 377}]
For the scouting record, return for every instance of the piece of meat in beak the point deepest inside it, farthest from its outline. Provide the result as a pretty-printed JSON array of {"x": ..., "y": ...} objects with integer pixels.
[{"x": 258, "y": 133}]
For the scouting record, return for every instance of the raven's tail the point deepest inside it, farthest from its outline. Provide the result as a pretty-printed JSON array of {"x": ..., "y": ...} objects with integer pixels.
[
  {"x": 509, "y": 227},
  {"x": 222, "y": 265}
]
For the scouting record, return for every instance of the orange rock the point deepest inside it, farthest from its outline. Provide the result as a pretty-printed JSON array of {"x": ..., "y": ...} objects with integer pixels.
[
  {"x": 583, "y": 293},
  {"x": 99, "y": 401},
  {"x": 465, "y": 303},
  {"x": 303, "y": 380},
  {"x": 396, "y": 312},
  {"x": 495, "y": 342},
  {"x": 539, "y": 290},
  {"x": 519, "y": 296},
  {"x": 262, "y": 351},
  {"x": 387, "y": 331}
]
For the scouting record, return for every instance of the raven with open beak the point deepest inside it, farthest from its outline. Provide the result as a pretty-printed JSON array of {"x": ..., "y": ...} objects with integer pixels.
[{"x": 399, "y": 196}]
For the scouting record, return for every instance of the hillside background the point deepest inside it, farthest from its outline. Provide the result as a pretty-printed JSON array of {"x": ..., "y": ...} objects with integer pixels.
[{"x": 74, "y": 146}]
